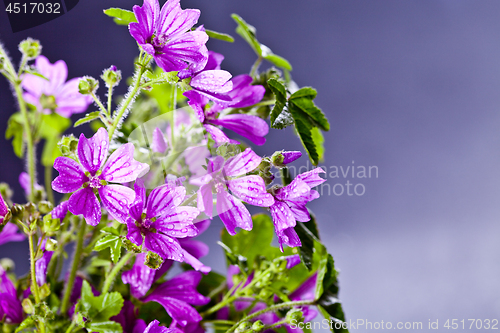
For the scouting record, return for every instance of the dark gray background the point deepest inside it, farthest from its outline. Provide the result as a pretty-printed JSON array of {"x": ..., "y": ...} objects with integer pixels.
[{"x": 411, "y": 87}]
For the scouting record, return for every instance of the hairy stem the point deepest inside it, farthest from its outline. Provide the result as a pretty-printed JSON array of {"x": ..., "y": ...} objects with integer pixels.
[
  {"x": 74, "y": 267},
  {"x": 133, "y": 90},
  {"x": 272, "y": 308},
  {"x": 34, "y": 284},
  {"x": 118, "y": 267}
]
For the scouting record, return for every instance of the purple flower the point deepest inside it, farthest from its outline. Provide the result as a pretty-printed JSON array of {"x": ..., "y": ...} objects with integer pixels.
[
  {"x": 154, "y": 327},
  {"x": 290, "y": 156},
  {"x": 210, "y": 81},
  {"x": 54, "y": 95},
  {"x": 241, "y": 95},
  {"x": 10, "y": 306},
  {"x": 60, "y": 211},
  {"x": 175, "y": 295},
  {"x": 290, "y": 205},
  {"x": 42, "y": 264},
  {"x": 166, "y": 35},
  {"x": 25, "y": 182},
  {"x": 229, "y": 175},
  {"x": 9, "y": 234},
  {"x": 195, "y": 249},
  {"x": 4, "y": 210},
  {"x": 92, "y": 176},
  {"x": 160, "y": 220}
]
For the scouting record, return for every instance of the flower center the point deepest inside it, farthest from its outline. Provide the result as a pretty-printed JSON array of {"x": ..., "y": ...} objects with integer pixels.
[
  {"x": 48, "y": 102},
  {"x": 95, "y": 182}
]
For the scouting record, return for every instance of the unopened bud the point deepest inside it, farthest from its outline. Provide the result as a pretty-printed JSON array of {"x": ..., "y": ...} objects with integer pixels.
[
  {"x": 28, "y": 306},
  {"x": 87, "y": 85},
  {"x": 243, "y": 327},
  {"x": 258, "y": 326},
  {"x": 17, "y": 211},
  {"x": 45, "y": 207},
  {"x": 111, "y": 76},
  {"x": 131, "y": 246},
  {"x": 30, "y": 48},
  {"x": 68, "y": 144},
  {"x": 295, "y": 315},
  {"x": 7, "y": 264},
  {"x": 282, "y": 158},
  {"x": 51, "y": 244},
  {"x": 44, "y": 291},
  {"x": 153, "y": 260}
]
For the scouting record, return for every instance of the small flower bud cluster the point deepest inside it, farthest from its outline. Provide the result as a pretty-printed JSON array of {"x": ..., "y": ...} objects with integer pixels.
[
  {"x": 30, "y": 48},
  {"x": 111, "y": 76},
  {"x": 67, "y": 145},
  {"x": 88, "y": 85}
]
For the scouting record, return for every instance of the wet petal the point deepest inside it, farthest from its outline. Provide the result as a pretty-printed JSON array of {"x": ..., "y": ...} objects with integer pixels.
[
  {"x": 218, "y": 136},
  {"x": 70, "y": 178},
  {"x": 242, "y": 163},
  {"x": 165, "y": 246},
  {"x": 312, "y": 177},
  {"x": 140, "y": 277},
  {"x": 159, "y": 145},
  {"x": 138, "y": 205},
  {"x": 288, "y": 237},
  {"x": 233, "y": 213},
  {"x": 252, "y": 190},
  {"x": 205, "y": 199},
  {"x": 282, "y": 216},
  {"x": 180, "y": 311},
  {"x": 214, "y": 81},
  {"x": 117, "y": 199},
  {"x": 251, "y": 127},
  {"x": 163, "y": 199},
  {"x": 121, "y": 166},
  {"x": 92, "y": 152},
  {"x": 85, "y": 202},
  {"x": 134, "y": 233},
  {"x": 182, "y": 287}
]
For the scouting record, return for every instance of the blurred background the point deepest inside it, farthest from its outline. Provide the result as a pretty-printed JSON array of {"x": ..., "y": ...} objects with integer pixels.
[{"x": 410, "y": 87}]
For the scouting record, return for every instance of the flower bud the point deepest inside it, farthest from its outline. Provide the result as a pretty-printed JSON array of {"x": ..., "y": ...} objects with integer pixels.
[
  {"x": 111, "y": 76},
  {"x": 87, "y": 85},
  {"x": 153, "y": 260},
  {"x": 282, "y": 158},
  {"x": 6, "y": 193},
  {"x": 50, "y": 224},
  {"x": 43, "y": 310},
  {"x": 17, "y": 211},
  {"x": 295, "y": 315},
  {"x": 2, "y": 60},
  {"x": 258, "y": 326},
  {"x": 51, "y": 244},
  {"x": 243, "y": 327},
  {"x": 44, "y": 207},
  {"x": 7, "y": 264},
  {"x": 67, "y": 145},
  {"x": 44, "y": 291},
  {"x": 28, "y": 306},
  {"x": 30, "y": 48},
  {"x": 131, "y": 247}
]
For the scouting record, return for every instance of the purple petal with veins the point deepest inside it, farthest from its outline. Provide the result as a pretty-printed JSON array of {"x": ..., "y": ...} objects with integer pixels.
[
  {"x": 162, "y": 199},
  {"x": 165, "y": 246},
  {"x": 242, "y": 163},
  {"x": 117, "y": 199},
  {"x": 312, "y": 177},
  {"x": 290, "y": 156},
  {"x": 85, "y": 202},
  {"x": 282, "y": 216},
  {"x": 140, "y": 277},
  {"x": 92, "y": 152},
  {"x": 233, "y": 213},
  {"x": 251, "y": 189},
  {"x": 218, "y": 136},
  {"x": 70, "y": 178},
  {"x": 60, "y": 211},
  {"x": 10, "y": 233},
  {"x": 121, "y": 166},
  {"x": 251, "y": 127}
]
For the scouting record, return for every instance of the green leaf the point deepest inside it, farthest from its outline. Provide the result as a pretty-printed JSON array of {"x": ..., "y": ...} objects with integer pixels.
[
  {"x": 219, "y": 35},
  {"x": 303, "y": 100},
  {"x": 102, "y": 307},
  {"x": 303, "y": 127},
  {"x": 123, "y": 16},
  {"x": 279, "y": 92},
  {"x": 104, "y": 327},
  {"x": 256, "y": 242},
  {"x": 318, "y": 140},
  {"x": 247, "y": 31},
  {"x": 15, "y": 131},
  {"x": 88, "y": 118},
  {"x": 337, "y": 314},
  {"x": 53, "y": 125},
  {"x": 274, "y": 58},
  {"x": 307, "y": 248},
  {"x": 26, "y": 323},
  {"x": 33, "y": 71},
  {"x": 113, "y": 242}
]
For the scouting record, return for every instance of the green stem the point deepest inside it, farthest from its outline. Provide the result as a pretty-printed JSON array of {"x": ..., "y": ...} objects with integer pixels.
[
  {"x": 255, "y": 66},
  {"x": 99, "y": 103},
  {"x": 48, "y": 184},
  {"x": 130, "y": 96},
  {"x": 272, "y": 308},
  {"x": 112, "y": 275},
  {"x": 173, "y": 103},
  {"x": 34, "y": 284},
  {"x": 276, "y": 324},
  {"x": 74, "y": 267},
  {"x": 110, "y": 94},
  {"x": 71, "y": 327},
  {"x": 30, "y": 152}
]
